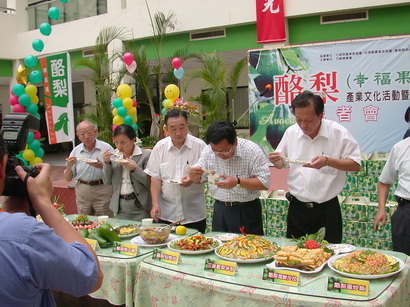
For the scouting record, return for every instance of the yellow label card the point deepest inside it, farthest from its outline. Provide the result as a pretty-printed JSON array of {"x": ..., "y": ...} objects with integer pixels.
[
  {"x": 284, "y": 277},
  {"x": 348, "y": 286},
  {"x": 125, "y": 249},
  {"x": 166, "y": 256},
  {"x": 92, "y": 242},
  {"x": 221, "y": 266}
]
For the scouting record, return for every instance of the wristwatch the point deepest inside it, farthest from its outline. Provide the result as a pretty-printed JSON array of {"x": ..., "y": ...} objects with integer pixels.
[{"x": 238, "y": 184}]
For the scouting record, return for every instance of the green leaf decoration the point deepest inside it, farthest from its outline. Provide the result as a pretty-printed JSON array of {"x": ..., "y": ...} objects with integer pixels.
[{"x": 62, "y": 123}]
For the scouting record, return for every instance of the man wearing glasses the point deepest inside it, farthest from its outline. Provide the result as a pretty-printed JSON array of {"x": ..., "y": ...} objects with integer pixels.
[
  {"x": 241, "y": 170},
  {"x": 85, "y": 164}
]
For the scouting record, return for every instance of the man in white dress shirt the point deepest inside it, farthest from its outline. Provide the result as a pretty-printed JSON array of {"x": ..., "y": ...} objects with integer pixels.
[
  {"x": 329, "y": 151},
  {"x": 396, "y": 168},
  {"x": 174, "y": 195}
]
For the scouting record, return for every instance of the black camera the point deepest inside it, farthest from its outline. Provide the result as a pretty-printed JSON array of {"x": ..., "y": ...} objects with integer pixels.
[{"x": 14, "y": 130}]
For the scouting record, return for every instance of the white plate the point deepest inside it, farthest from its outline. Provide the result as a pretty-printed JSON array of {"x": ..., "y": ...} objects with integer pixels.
[
  {"x": 131, "y": 235},
  {"x": 342, "y": 248},
  {"x": 90, "y": 160},
  {"x": 173, "y": 181},
  {"x": 140, "y": 242},
  {"x": 317, "y": 270},
  {"x": 203, "y": 251},
  {"x": 225, "y": 237},
  {"x": 297, "y": 161},
  {"x": 359, "y": 276},
  {"x": 257, "y": 260},
  {"x": 120, "y": 160}
]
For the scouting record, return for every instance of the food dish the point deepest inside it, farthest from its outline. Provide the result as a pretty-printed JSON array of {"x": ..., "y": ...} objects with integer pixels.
[
  {"x": 342, "y": 248},
  {"x": 316, "y": 270},
  {"x": 224, "y": 237},
  {"x": 188, "y": 252},
  {"x": 140, "y": 242},
  {"x": 257, "y": 260},
  {"x": 120, "y": 160},
  {"x": 360, "y": 276},
  {"x": 174, "y": 181},
  {"x": 130, "y": 231},
  {"x": 297, "y": 161}
]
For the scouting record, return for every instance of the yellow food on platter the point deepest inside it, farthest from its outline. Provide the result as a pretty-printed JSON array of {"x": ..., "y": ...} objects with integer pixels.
[
  {"x": 301, "y": 258},
  {"x": 248, "y": 247},
  {"x": 366, "y": 262}
]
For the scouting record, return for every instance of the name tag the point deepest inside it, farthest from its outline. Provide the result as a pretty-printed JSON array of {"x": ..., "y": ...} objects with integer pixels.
[
  {"x": 166, "y": 256},
  {"x": 348, "y": 286},
  {"x": 92, "y": 242},
  {"x": 283, "y": 277},
  {"x": 125, "y": 249},
  {"x": 221, "y": 267}
]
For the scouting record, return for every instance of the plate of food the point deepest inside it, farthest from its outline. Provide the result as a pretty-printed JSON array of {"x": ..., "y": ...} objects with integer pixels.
[
  {"x": 342, "y": 248},
  {"x": 225, "y": 237},
  {"x": 140, "y": 242},
  {"x": 83, "y": 222},
  {"x": 127, "y": 231},
  {"x": 366, "y": 264},
  {"x": 119, "y": 160},
  {"x": 196, "y": 244},
  {"x": 247, "y": 249},
  {"x": 297, "y": 161},
  {"x": 174, "y": 181},
  {"x": 90, "y": 160},
  {"x": 304, "y": 260}
]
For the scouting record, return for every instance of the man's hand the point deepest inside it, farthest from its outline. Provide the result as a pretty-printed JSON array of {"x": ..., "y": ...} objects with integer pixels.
[
  {"x": 227, "y": 182},
  {"x": 71, "y": 161},
  {"x": 155, "y": 212},
  {"x": 380, "y": 217},
  {"x": 318, "y": 162},
  {"x": 276, "y": 159},
  {"x": 186, "y": 181},
  {"x": 195, "y": 173}
]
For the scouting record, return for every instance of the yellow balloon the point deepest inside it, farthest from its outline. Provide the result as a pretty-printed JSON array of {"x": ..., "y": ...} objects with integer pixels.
[
  {"x": 35, "y": 161},
  {"x": 124, "y": 91},
  {"x": 28, "y": 154},
  {"x": 118, "y": 120},
  {"x": 127, "y": 103},
  {"x": 21, "y": 75},
  {"x": 165, "y": 128},
  {"x": 134, "y": 119},
  {"x": 132, "y": 111},
  {"x": 168, "y": 104},
  {"x": 31, "y": 90},
  {"x": 114, "y": 112},
  {"x": 34, "y": 99},
  {"x": 172, "y": 92}
]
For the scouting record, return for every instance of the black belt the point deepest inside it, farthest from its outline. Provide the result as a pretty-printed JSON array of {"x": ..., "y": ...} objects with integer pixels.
[
  {"x": 92, "y": 182},
  {"x": 402, "y": 201},
  {"x": 292, "y": 198},
  {"x": 235, "y": 203},
  {"x": 128, "y": 196}
]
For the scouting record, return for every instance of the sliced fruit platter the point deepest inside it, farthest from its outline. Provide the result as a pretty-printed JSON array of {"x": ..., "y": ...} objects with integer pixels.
[
  {"x": 248, "y": 248},
  {"x": 196, "y": 244},
  {"x": 82, "y": 222}
]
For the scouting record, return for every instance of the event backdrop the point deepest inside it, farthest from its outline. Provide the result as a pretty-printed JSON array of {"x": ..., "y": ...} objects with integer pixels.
[
  {"x": 56, "y": 71},
  {"x": 365, "y": 86}
]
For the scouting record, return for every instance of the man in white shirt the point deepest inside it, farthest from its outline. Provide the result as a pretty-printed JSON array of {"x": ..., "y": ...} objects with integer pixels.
[
  {"x": 319, "y": 152},
  {"x": 396, "y": 167},
  {"x": 174, "y": 195}
]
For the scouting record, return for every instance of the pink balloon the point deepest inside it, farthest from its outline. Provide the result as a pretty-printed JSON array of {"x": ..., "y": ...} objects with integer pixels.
[
  {"x": 13, "y": 100},
  {"x": 37, "y": 135},
  {"x": 18, "y": 108},
  {"x": 132, "y": 67},
  {"x": 128, "y": 57},
  {"x": 176, "y": 63},
  {"x": 114, "y": 127},
  {"x": 134, "y": 102}
]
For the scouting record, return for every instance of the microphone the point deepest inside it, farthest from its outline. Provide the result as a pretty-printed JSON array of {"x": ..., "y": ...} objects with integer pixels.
[{"x": 267, "y": 88}]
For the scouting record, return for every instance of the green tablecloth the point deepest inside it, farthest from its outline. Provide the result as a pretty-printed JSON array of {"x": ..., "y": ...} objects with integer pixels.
[
  {"x": 187, "y": 284},
  {"x": 120, "y": 273}
]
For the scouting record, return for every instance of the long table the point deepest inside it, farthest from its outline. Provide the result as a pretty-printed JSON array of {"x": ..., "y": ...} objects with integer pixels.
[
  {"x": 120, "y": 271},
  {"x": 188, "y": 284}
]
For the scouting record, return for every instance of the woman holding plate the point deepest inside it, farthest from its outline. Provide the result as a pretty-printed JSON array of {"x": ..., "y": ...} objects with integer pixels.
[{"x": 125, "y": 171}]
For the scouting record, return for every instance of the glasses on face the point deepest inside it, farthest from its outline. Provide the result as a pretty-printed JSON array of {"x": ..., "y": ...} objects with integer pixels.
[
  {"x": 86, "y": 133},
  {"x": 223, "y": 153}
]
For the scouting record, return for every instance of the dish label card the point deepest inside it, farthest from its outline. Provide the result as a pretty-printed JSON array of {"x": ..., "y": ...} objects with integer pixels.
[
  {"x": 283, "y": 277},
  {"x": 221, "y": 267},
  {"x": 348, "y": 285},
  {"x": 166, "y": 256},
  {"x": 92, "y": 242},
  {"x": 125, "y": 249}
]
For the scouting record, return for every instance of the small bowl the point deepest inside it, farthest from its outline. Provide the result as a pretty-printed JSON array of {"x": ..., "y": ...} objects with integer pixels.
[{"x": 151, "y": 234}]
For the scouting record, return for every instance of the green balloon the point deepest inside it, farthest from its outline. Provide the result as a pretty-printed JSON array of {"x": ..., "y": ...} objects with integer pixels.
[
  {"x": 34, "y": 145},
  {"x": 32, "y": 108},
  {"x": 35, "y": 76},
  {"x": 30, "y": 61},
  {"x": 54, "y": 13},
  {"x": 45, "y": 29},
  {"x": 30, "y": 137},
  {"x": 117, "y": 103},
  {"x": 39, "y": 152},
  {"x": 38, "y": 45},
  {"x": 25, "y": 100},
  {"x": 18, "y": 89},
  {"x": 128, "y": 120}
]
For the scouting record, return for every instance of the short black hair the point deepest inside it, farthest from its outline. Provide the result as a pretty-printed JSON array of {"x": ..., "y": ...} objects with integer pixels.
[
  {"x": 220, "y": 130},
  {"x": 407, "y": 115},
  {"x": 126, "y": 130},
  {"x": 176, "y": 113},
  {"x": 307, "y": 98}
]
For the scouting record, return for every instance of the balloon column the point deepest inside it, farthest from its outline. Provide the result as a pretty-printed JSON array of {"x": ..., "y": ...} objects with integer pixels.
[
  {"x": 124, "y": 109},
  {"x": 172, "y": 97},
  {"x": 23, "y": 96}
]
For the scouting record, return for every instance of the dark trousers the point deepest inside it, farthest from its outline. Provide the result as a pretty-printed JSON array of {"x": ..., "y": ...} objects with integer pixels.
[
  {"x": 231, "y": 218},
  {"x": 400, "y": 227},
  {"x": 200, "y": 226},
  {"x": 304, "y": 220}
]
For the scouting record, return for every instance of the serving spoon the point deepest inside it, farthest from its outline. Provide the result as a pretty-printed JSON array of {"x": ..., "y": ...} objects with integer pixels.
[{"x": 172, "y": 224}]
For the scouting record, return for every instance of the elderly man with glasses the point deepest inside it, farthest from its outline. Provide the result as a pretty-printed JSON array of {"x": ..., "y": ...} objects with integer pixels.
[{"x": 242, "y": 169}]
